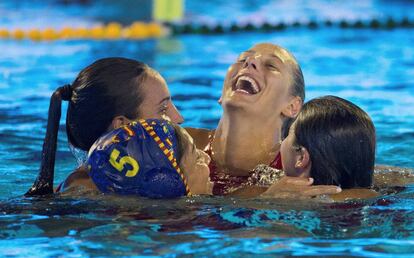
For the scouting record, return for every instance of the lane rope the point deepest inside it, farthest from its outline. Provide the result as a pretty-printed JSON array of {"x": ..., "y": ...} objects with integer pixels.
[
  {"x": 111, "y": 31},
  {"x": 140, "y": 30},
  {"x": 376, "y": 24}
]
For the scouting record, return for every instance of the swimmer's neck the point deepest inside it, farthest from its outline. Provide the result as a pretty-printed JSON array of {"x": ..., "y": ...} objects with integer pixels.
[{"x": 240, "y": 142}]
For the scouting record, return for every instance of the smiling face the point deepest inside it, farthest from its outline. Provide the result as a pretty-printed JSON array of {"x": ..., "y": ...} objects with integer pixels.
[
  {"x": 157, "y": 101},
  {"x": 260, "y": 80}
]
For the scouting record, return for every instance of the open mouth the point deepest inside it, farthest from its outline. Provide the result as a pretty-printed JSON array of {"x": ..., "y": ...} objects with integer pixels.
[{"x": 247, "y": 85}]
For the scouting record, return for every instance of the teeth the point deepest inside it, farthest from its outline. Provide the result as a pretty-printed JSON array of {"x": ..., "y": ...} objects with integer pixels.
[
  {"x": 256, "y": 88},
  {"x": 244, "y": 91}
]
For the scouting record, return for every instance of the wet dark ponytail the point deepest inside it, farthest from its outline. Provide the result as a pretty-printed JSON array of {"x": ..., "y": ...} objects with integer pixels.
[
  {"x": 108, "y": 88},
  {"x": 44, "y": 182}
]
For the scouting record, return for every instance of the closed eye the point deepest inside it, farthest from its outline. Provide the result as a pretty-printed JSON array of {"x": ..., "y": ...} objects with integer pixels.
[
  {"x": 163, "y": 110},
  {"x": 272, "y": 66},
  {"x": 163, "y": 106},
  {"x": 241, "y": 60}
]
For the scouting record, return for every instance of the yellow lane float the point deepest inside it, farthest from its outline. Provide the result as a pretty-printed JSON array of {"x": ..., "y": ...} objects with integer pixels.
[{"x": 111, "y": 31}]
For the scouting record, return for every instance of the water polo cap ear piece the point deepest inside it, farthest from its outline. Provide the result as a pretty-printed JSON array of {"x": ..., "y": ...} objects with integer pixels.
[{"x": 160, "y": 130}]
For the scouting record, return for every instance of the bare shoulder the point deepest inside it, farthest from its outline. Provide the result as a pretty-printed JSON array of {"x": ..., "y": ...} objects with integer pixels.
[
  {"x": 352, "y": 194},
  {"x": 201, "y": 136},
  {"x": 78, "y": 182},
  {"x": 248, "y": 191},
  {"x": 392, "y": 176}
]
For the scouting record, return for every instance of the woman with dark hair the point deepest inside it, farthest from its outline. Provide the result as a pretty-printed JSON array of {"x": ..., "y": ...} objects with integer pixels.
[
  {"x": 333, "y": 141},
  {"x": 107, "y": 94}
]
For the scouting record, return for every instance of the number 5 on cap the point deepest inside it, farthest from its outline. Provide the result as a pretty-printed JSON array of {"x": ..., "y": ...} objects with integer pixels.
[{"x": 120, "y": 165}]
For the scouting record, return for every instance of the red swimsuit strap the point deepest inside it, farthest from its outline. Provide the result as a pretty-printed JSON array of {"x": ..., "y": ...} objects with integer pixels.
[{"x": 277, "y": 162}]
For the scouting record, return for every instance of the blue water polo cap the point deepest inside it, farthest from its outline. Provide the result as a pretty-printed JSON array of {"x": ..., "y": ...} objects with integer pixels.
[{"x": 138, "y": 159}]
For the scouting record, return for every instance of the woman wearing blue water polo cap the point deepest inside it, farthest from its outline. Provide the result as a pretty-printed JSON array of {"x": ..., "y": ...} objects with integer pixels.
[{"x": 142, "y": 159}]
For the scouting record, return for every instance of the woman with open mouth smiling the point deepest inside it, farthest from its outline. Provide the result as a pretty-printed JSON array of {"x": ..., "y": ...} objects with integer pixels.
[{"x": 263, "y": 89}]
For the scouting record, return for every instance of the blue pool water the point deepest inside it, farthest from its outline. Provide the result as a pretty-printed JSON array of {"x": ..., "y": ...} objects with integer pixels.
[{"x": 372, "y": 68}]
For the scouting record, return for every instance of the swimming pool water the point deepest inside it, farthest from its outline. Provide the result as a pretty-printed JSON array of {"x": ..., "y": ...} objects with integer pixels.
[{"x": 372, "y": 68}]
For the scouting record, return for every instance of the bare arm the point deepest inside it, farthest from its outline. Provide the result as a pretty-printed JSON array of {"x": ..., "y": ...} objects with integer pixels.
[
  {"x": 298, "y": 188},
  {"x": 352, "y": 194},
  {"x": 287, "y": 187},
  {"x": 392, "y": 176}
]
